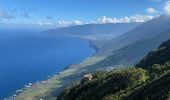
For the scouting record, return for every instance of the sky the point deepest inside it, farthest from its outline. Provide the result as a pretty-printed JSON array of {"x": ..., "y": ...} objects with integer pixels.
[{"x": 61, "y": 13}]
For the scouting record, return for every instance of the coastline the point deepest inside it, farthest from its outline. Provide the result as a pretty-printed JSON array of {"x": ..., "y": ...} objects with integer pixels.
[{"x": 58, "y": 74}]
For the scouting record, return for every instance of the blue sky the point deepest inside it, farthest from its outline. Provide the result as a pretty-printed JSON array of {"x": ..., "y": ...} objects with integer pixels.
[{"x": 66, "y": 11}]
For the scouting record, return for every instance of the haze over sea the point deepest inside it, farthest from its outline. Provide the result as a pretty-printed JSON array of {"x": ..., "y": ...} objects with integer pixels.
[{"x": 27, "y": 56}]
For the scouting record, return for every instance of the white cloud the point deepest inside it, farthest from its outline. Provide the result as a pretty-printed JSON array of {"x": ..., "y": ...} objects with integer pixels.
[
  {"x": 167, "y": 7},
  {"x": 135, "y": 18},
  {"x": 69, "y": 23},
  {"x": 102, "y": 20},
  {"x": 44, "y": 23},
  {"x": 151, "y": 10},
  {"x": 59, "y": 23}
]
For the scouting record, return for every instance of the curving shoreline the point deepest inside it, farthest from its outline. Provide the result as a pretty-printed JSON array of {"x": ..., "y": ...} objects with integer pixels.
[{"x": 38, "y": 83}]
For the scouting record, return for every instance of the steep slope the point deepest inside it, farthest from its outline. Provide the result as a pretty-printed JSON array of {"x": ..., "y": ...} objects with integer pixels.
[
  {"x": 159, "y": 56},
  {"x": 157, "y": 63},
  {"x": 146, "y": 30},
  {"x": 131, "y": 47},
  {"x": 156, "y": 90},
  {"x": 111, "y": 29},
  {"x": 105, "y": 84},
  {"x": 134, "y": 52},
  {"x": 150, "y": 81}
]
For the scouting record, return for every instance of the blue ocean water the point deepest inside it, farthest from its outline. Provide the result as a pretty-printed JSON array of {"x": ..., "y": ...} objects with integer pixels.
[{"x": 29, "y": 57}]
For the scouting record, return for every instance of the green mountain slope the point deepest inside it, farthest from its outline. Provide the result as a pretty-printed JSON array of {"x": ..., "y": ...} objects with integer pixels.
[
  {"x": 133, "y": 53},
  {"x": 105, "y": 84},
  {"x": 159, "y": 56},
  {"x": 149, "y": 80},
  {"x": 146, "y": 30},
  {"x": 156, "y": 90}
]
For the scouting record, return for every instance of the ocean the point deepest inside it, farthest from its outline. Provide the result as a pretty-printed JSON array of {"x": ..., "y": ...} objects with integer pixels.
[{"x": 27, "y": 57}]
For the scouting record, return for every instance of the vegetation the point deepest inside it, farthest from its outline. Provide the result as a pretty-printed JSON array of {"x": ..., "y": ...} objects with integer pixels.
[
  {"x": 108, "y": 83},
  {"x": 155, "y": 90},
  {"x": 159, "y": 56},
  {"x": 127, "y": 49},
  {"x": 148, "y": 80}
]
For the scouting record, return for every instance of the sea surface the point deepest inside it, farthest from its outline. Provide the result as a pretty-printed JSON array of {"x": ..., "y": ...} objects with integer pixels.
[{"x": 27, "y": 57}]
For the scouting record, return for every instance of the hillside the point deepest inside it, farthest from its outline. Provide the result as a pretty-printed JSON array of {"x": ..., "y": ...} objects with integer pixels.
[
  {"x": 159, "y": 56},
  {"x": 149, "y": 80},
  {"x": 109, "y": 29},
  {"x": 128, "y": 49},
  {"x": 156, "y": 90},
  {"x": 146, "y": 30},
  {"x": 131, "y": 54},
  {"x": 122, "y": 51}
]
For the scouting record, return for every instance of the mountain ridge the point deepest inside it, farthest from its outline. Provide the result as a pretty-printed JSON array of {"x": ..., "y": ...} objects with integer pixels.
[{"x": 146, "y": 30}]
